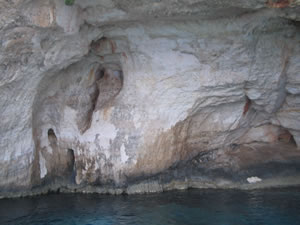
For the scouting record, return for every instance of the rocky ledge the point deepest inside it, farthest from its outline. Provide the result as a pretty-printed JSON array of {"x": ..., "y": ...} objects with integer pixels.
[{"x": 123, "y": 96}]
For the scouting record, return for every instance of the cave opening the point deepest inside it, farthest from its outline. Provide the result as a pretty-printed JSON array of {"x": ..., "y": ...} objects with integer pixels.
[
  {"x": 51, "y": 133},
  {"x": 99, "y": 74},
  {"x": 287, "y": 137},
  {"x": 52, "y": 136}
]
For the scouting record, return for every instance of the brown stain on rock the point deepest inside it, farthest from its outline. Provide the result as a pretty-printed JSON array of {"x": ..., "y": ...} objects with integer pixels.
[
  {"x": 107, "y": 111},
  {"x": 247, "y": 106},
  {"x": 163, "y": 150},
  {"x": 247, "y": 155},
  {"x": 91, "y": 75},
  {"x": 113, "y": 46},
  {"x": 104, "y": 46},
  {"x": 124, "y": 55},
  {"x": 279, "y": 4},
  {"x": 182, "y": 142}
]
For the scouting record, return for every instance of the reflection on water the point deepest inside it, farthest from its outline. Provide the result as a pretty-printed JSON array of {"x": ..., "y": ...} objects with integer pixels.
[{"x": 222, "y": 207}]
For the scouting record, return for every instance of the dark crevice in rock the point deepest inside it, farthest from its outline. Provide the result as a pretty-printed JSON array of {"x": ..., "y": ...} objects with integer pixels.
[
  {"x": 52, "y": 137},
  {"x": 247, "y": 106},
  {"x": 286, "y": 137},
  {"x": 93, "y": 98},
  {"x": 107, "y": 79},
  {"x": 71, "y": 166},
  {"x": 99, "y": 73},
  {"x": 108, "y": 84}
]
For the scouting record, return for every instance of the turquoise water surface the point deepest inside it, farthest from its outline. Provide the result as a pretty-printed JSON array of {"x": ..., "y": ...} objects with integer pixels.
[{"x": 220, "y": 207}]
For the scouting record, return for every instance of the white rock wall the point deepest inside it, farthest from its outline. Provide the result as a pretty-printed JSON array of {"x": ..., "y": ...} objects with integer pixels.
[{"x": 179, "y": 87}]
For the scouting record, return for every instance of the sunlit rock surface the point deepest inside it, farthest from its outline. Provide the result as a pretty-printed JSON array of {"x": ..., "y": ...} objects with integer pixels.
[{"x": 125, "y": 96}]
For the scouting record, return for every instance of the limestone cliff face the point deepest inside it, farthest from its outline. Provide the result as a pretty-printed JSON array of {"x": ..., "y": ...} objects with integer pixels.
[{"x": 121, "y": 95}]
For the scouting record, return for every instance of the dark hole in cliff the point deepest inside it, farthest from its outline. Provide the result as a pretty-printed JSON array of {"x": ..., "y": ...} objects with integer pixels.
[
  {"x": 53, "y": 191},
  {"x": 247, "y": 106},
  {"x": 100, "y": 73},
  {"x": 71, "y": 164},
  {"x": 51, "y": 136},
  {"x": 51, "y": 133},
  {"x": 71, "y": 157},
  {"x": 286, "y": 137}
]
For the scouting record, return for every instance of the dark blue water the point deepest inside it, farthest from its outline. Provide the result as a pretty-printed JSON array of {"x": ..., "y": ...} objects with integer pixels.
[{"x": 222, "y": 207}]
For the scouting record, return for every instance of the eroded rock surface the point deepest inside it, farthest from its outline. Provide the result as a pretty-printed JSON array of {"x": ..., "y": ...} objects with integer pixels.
[{"x": 126, "y": 96}]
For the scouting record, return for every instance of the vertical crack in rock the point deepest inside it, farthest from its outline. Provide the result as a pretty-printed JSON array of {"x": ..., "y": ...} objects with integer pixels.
[
  {"x": 88, "y": 105},
  {"x": 71, "y": 165},
  {"x": 247, "y": 106}
]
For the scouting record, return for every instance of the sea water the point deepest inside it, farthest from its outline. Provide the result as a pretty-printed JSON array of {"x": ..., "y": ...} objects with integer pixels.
[{"x": 220, "y": 207}]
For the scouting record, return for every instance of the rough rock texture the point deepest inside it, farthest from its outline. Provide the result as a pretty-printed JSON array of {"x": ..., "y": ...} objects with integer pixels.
[{"x": 139, "y": 96}]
